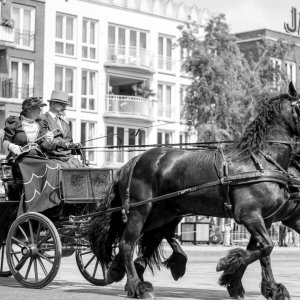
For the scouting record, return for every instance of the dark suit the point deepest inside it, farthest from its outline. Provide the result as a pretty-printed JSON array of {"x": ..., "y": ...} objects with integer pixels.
[{"x": 59, "y": 148}]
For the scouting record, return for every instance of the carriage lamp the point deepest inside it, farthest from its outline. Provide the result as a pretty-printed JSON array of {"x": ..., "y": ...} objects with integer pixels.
[{"x": 5, "y": 170}]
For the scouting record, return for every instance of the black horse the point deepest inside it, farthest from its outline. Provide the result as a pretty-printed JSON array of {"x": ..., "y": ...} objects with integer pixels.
[{"x": 159, "y": 171}]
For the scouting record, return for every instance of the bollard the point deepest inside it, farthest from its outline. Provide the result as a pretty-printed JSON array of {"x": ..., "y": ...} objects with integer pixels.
[{"x": 226, "y": 242}]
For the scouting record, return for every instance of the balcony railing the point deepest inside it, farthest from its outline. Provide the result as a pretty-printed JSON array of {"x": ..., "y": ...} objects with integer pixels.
[
  {"x": 6, "y": 35},
  {"x": 6, "y": 88},
  {"x": 24, "y": 38},
  {"x": 133, "y": 56},
  {"x": 10, "y": 89},
  {"x": 129, "y": 105}
]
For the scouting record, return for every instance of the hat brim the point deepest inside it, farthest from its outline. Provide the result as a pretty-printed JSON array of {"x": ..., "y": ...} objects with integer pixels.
[
  {"x": 60, "y": 101},
  {"x": 37, "y": 105}
]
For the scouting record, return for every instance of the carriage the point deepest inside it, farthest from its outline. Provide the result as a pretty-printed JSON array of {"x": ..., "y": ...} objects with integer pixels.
[{"x": 36, "y": 241}]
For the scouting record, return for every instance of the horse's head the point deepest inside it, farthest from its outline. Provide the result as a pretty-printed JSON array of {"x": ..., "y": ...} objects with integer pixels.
[{"x": 291, "y": 110}]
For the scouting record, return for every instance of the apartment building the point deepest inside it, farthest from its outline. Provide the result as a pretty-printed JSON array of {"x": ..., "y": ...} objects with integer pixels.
[
  {"x": 290, "y": 65},
  {"x": 21, "y": 53},
  {"x": 118, "y": 62}
]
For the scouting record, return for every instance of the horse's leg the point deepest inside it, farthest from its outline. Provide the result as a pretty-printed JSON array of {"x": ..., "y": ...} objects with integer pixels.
[
  {"x": 239, "y": 258},
  {"x": 116, "y": 270},
  {"x": 269, "y": 288},
  {"x": 135, "y": 287},
  {"x": 233, "y": 280},
  {"x": 177, "y": 261}
]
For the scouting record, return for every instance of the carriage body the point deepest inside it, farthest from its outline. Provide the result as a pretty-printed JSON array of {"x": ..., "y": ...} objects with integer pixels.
[{"x": 79, "y": 190}]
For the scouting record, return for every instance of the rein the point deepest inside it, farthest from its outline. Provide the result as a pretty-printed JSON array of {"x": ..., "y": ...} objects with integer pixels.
[{"x": 232, "y": 180}]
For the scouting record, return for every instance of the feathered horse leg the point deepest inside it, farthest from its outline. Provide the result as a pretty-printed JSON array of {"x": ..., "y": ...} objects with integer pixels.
[
  {"x": 135, "y": 287},
  {"x": 237, "y": 260}
]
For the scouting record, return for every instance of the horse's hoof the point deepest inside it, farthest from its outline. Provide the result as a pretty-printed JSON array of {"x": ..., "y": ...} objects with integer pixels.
[
  {"x": 177, "y": 264},
  {"x": 222, "y": 264},
  {"x": 148, "y": 295},
  {"x": 112, "y": 275}
]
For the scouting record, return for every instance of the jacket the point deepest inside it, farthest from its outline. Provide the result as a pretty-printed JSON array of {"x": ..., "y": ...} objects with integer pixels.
[{"x": 59, "y": 148}]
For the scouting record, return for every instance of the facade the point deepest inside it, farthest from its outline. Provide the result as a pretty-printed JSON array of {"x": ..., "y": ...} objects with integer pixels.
[
  {"x": 118, "y": 62},
  {"x": 21, "y": 53},
  {"x": 291, "y": 65}
]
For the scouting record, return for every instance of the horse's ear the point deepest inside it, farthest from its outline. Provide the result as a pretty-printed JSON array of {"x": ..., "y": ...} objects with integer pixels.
[{"x": 292, "y": 90}]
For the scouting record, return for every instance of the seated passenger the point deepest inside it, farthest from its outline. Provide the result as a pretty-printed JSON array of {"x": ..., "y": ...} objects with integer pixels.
[
  {"x": 59, "y": 149},
  {"x": 25, "y": 129},
  {"x": 22, "y": 138}
]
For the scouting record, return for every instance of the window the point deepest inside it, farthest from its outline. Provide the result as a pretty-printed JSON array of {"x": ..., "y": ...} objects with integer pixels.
[
  {"x": 87, "y": 133},
  {"x": 88, "y": 101},
  {"x": 65, "y": 35},
  {"x": 182, "y": 96},
  {"x": 120, "y": 136},
  {"x": 276, "y": 77},
  {"x": 165, "y": 61},
  {"x": 24, "y": 18},
  {"x": 128, "y": 45},
  {"x": 290, "y": 68},
  {"x": 64, "y": 81},
  {"x": 164, "y": 137},
  {"x": 89, "y": 39},
  {"x": 164, "y": 95},
  {"x": 22, "y": 78}
]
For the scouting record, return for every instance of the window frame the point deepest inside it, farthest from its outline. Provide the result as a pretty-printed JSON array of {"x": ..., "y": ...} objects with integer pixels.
[
  {"x": 20, "y": 63},
  {"x": 165, "y": 63},
  {"x": 63, "y": 40},
  {"x": 88, "y": 43},
  {"x": 63, "y": 88},
  {"x": 21, "y": 29},
  {"x": 163, "y": 111},
  {"x": 88, "y": 137},
  {"x": 89, "y": 96}
]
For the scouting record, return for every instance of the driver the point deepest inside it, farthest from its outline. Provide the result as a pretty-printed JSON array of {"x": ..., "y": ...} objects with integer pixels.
[{"x": 55, "y": 119}]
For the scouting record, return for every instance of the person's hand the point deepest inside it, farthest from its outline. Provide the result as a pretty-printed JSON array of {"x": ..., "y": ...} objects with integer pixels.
[
  {"x": 49, "y": 137},
  {"x": 15, "y": 149}
]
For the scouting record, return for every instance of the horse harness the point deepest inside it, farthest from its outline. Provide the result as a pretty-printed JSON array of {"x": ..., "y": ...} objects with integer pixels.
[{"x": 280, "y": 176}]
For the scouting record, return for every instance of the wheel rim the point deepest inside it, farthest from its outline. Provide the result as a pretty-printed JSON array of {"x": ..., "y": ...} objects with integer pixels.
[
  {"x": 4, "y": 268},
  {"x": 90, "y": 267},
  {"x": 33, "y": 250}
]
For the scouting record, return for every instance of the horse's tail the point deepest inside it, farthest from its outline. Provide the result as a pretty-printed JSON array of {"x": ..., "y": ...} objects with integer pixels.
[{"x": 106, "y": 229}]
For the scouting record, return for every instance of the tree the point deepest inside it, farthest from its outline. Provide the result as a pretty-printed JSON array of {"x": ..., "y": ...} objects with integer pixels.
[{"x": 223, "y": 95}]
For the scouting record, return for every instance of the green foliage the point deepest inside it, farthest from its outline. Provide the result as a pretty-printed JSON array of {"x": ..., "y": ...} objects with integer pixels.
[{"x": 223, "y": 96}]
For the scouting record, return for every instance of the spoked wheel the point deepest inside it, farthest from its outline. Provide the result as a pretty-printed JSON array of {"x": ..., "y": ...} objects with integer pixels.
[
  {"x": 33, "y": 250},
  {"x": 90, "y": 267},
  {"x": 4, "y": 268}
]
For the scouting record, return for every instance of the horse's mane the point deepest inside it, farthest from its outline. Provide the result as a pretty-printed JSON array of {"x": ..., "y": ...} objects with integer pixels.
[{"x": 268, "y": 116}]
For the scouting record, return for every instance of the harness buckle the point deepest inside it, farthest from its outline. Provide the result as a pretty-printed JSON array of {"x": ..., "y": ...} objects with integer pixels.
[{"x": 228, "y": 206}]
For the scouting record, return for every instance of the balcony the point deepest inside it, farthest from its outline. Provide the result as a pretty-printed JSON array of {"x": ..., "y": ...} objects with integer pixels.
[
  {"x": 10, "y": 89},
  {"x": 128, "y": 107},
  {"x": 7, "y": 37},
  {"x": 130, "y": 57}
]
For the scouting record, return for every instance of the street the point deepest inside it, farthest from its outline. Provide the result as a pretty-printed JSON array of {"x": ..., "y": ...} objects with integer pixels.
[{"x": 199, "y": 282}]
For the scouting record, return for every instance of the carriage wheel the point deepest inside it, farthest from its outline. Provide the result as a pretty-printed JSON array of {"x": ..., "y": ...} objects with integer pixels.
[
  {"x": 4, "y": 268},
  {"x": 90, "y": 267},
  {"x": 33, "y": 250}
]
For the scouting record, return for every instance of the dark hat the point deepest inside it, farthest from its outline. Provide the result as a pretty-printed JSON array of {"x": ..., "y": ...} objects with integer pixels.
[
  {"x": 58, "y": 96},
  {"x": 31, "y": 102}
]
